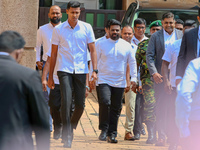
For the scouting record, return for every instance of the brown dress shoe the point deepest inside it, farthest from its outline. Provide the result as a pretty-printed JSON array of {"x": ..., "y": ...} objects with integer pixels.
[{"x": 129, "y": 136}]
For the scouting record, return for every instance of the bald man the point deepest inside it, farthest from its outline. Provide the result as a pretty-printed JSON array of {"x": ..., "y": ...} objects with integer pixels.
[{"x": 44, "y": 35}]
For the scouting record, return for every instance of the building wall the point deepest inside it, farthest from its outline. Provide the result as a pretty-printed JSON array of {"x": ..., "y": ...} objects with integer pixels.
[
  {"x": 21, "y": 16},
  {"x": 126, "y": 3}
]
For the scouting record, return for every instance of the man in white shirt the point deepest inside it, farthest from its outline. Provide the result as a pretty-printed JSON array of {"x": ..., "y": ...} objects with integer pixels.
[
  {"x": 103, "y": 124},
  {"x": 44, "y": 35},
  {"x": 127, "y": 34},
  {"x": 139, "y": 36},
  {"x": 69, "y": 51},
  {"x": 113, "y": 54},
  {"x": 188, "y": 106},
  {"x": 170, "y": 57},
  {"x": 55, "y": 96},
  {"x": 157, "y": 44}
]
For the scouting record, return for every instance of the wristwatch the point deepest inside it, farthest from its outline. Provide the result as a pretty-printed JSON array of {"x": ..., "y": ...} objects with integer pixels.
[
  {"x": 87, "y": 87},
  {"x": 95, "y": 70}
]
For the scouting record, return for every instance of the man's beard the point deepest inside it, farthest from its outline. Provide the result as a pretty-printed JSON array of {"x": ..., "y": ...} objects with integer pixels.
[
  {"x": 114, "y": 38},
  {"x": 55, "y": 21}
]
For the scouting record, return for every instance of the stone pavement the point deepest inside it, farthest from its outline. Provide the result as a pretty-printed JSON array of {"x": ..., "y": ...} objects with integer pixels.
[{"x": 86, "y": 134}]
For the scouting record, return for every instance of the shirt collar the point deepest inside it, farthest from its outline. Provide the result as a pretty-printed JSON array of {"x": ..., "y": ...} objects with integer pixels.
[
  {"x": 165, "y": 33},
  {"x": 52, "y": 25},
  {"x": 136, "y": 40},
  {"x": 4, "y": 53},
  {"x": 113, "y": 41},
  {"x": 68, "y": 25}
]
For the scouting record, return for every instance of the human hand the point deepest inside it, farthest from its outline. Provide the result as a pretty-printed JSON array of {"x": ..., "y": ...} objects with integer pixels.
[
  {"x": 51, "y": 84},
  {"x": 157, "y": 78},
  {"x": 168, "y": 87},
  {"x": 178, "y": 81},
  {"x": 134, "y": 86},
  {"x": 39, "y": 64}
]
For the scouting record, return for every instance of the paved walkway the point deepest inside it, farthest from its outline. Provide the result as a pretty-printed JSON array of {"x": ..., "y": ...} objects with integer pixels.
[{"x": 86, "y": 134}]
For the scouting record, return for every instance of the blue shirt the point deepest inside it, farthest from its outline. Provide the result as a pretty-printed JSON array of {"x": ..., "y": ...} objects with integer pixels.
[{"x": 188, "y": 99}]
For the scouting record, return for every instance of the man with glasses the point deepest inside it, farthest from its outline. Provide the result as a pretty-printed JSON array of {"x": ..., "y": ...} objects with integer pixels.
[
  {"x": 147, "y": 85},
  {"x": 139, "y": 36}
]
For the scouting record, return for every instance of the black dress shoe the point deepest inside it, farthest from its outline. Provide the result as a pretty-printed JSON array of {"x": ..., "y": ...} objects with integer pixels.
[
  {"x": 137, "y": 136},
  {"x": 68, "y": 143},
  {"x": 56, "y": 135},
  {"x": 103, "y": 135},
  {"x": 111, "y": 139}
]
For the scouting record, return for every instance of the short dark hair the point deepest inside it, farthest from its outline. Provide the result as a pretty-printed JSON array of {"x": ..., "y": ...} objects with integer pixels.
[
  {"x": 179, "y": 21},
  {"x": 126, "y": 26},
  {"x": 167, "y": 15},
  {"x": 10, "y": 41},
  {"x": 139, "y": 21},
  {"x": 107, "y": 23},
  {"x": 73, "y": 4},
  {"x": 189, "y": 23},
  {"x": 114, "y": 22}
]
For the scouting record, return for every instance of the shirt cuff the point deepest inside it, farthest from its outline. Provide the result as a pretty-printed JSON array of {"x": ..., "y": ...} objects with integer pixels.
[
  {"x": 178, "y": 77},
  {"x": 134, "y": 79}
]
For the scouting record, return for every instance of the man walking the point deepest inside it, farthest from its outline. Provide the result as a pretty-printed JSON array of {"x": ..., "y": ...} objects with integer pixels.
[
  {"x": 69, "y": 48},
  {"x": 170, "y": 57},
  {"x": 23, "y": 108},
  {"x": 159, "y": 41},
  {"x": 127, "y": 34},
  {"x": 188, "y": 106},
  {"x": 139, "y": 36},
  {"x": 113, "y": 54},
  {"x": 44, "y": 35},
  {"x": 189, "y": 50},
  {"x": 149, "y": 115}
]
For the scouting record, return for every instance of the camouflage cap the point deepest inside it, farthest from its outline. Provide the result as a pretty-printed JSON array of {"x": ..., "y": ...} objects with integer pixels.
[{"x": 155, "y": 24}]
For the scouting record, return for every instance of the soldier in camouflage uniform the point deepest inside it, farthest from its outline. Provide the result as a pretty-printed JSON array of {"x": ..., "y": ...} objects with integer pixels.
[{"x": 147, "y": 85}]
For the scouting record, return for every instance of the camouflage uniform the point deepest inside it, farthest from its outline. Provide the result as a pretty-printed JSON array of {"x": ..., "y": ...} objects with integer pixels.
[{"x": 147, "y": 84}]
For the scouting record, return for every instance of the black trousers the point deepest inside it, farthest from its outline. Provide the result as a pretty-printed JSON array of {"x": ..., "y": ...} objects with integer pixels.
[
  {"x": 162, "y": 99},
  {"x": 55, "y": 103},
  {"x": 172, "y": 130},
  {"x": 67, "y": 83},
  {"x": 110, "y": 103},
  {"x": 138, "y": 114}
]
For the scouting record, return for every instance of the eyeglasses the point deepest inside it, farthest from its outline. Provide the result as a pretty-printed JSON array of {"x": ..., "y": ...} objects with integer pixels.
[{"x": 138, "y": 28}]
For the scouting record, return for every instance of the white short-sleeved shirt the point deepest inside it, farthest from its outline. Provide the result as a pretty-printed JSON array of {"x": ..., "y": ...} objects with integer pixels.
[
  {"x": 72, "y": 43},
  {"x": 55, "y": 77},
  {"x": 171, "y": 56},
  {"x": 44, "y": 35},
  {"x": 113, "y": 57}
]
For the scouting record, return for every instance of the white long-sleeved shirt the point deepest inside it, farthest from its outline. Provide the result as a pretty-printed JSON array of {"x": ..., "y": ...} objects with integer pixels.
[
  {"x": 44, "y": 34},
  {"x": 113, "y": 57},
  {"x": 72, "y": 46},
  {"x": 188, "y": 99}
]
